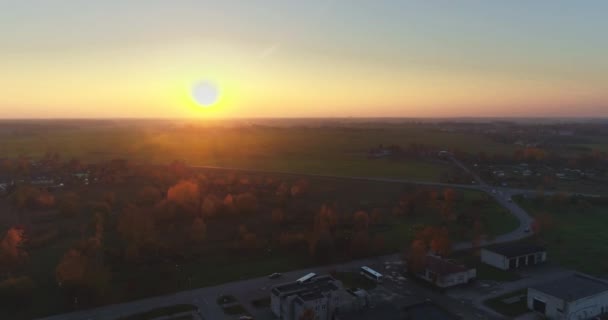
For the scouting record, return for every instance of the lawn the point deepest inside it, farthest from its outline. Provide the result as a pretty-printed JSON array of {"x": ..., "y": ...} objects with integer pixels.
[
  {"x": 577, "y": 235},
  {"x": 512, "y": 304}
]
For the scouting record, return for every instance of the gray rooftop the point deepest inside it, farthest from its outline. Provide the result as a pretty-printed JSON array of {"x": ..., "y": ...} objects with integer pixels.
[
  {"x": 512, "y": 250},
  {"x": 573, "y": 287},
  {"x": 319, "y": 283}
]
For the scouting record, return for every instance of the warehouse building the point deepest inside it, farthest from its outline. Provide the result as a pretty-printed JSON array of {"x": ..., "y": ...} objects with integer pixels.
[
  {"x": 576, "y": 296},
  {"x": 513, "y": 255}
]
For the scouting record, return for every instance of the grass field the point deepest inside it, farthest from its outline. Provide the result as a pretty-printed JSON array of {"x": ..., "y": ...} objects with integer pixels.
[
  {"x": 325, "y": 150},
  {"x": 577, "y": 238}
]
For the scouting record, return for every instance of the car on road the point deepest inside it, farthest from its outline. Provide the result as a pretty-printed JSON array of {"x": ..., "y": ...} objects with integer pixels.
[
  {"x": 245, "y": 318},
  {"x": 527, "y": 230},
  {"x": 275, "y": 275}
]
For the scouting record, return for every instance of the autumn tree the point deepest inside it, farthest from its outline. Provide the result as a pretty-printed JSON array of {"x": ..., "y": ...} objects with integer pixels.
[
  {"x": 148, "y": 196},
  {"x": 440, "y": 242},
  {"x": 376, "y": 217},
  {"x": 247, "y": 240},
  {"x": 198, "y": 230},
  {"x": 360, "y": 221},
  {"x": 416, "y": 256},
  {"x": 12, "y": 254},
  {"x": 229, "y": 205},
  {"x": 69, "y": 204},
  {"x": 449, "y": 195},
  {"x": 436, "y": 239},
  {"x": 542, "y": 223},
  {"x": 211, "y": 206},
  {"x": 300, "y": 187},
  {"x": 109, "y": 198},
  {"x": 283, "y": 190},
  {"x": 186, "y": 194},
  {"x": 359, "y": 246},
  {"x": 246, "y": 203},
  {"x": 82, "y": 275},
  {"x": 278, "y": 216},
  {"x": 137, "y": 228}
]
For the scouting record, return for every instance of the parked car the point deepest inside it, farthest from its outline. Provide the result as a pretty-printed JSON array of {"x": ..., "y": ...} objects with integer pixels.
[{"x": 275, "y": 275}]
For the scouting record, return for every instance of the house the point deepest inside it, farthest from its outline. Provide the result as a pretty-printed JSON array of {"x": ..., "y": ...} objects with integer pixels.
[
  {"x": 577, "y": 296},
  {"x": 445, "y": 273},
  {"x": 513, "y": 255},
  {"x": 323, "y": 295}
]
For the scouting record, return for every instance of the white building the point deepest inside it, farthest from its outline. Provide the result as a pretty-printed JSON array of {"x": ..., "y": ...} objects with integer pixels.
[
  {"x": 513, "y": 255},
  {"x": 446, "y": 273},
  {"x": 577, "y": 296},
  {"x": 323, "y": 295}
]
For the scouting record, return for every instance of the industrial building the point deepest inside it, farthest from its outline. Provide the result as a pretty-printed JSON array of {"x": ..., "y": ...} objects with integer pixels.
[
  {"x": 577, "y": 296},
  {"x": 510, "y": 256}
]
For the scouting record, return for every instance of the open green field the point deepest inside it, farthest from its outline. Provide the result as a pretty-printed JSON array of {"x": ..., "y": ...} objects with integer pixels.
[
  {"x": 576, "y": 237},
  {"x": 324, "y": 150}
]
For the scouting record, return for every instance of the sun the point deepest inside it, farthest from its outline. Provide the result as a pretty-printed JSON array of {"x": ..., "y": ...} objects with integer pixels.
[{"x": 205, "y": 93}]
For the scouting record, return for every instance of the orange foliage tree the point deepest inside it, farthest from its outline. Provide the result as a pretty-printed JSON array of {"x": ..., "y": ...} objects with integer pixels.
[{"x": 12, "y": 254}]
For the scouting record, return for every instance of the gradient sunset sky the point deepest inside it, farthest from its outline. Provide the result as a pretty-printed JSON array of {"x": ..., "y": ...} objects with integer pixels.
[{"x": 313, "y": 58}]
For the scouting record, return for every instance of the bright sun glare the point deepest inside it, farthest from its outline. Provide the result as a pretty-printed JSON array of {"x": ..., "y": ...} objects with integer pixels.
[{"x": 205, "y": 93}]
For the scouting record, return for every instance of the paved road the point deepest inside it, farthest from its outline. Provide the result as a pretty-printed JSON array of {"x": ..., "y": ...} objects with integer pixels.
[{"x": 205, "y": 298}]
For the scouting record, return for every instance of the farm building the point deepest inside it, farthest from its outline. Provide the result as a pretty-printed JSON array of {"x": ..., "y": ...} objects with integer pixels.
[
  {"x": 576, "y": 296},
  {"x": 445, "y": 273},
  {"x": 513, "y": 255}
]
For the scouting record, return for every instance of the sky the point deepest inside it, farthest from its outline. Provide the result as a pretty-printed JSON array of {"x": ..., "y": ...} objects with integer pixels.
[{"x": 293, "y": 58}]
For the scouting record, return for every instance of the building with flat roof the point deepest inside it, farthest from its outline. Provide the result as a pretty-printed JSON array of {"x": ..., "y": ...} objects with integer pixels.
[
  {"x": 510, "y": 256},
  {"x": 445, "y": 273},
  {"x": 322, "y": 295},
  {"x": 577, "y": 296}
]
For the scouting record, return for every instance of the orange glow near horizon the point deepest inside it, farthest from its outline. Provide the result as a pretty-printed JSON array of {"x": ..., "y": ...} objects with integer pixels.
[{"x": 290, "y": 67}]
